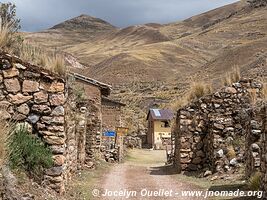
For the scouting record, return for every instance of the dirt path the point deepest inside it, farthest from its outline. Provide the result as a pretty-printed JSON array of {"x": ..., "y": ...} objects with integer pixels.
[{"x": 143, "y": 171}]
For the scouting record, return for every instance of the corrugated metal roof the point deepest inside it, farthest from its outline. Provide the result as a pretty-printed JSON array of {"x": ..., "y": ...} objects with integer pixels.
[{"x": 160, "y": 114}]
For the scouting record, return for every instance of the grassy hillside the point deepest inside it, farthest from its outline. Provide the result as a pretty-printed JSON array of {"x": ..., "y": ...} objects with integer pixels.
[{"x": 154, "y": 64}]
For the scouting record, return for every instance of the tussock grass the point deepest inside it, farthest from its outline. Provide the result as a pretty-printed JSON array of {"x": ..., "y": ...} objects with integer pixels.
[
  {"x": 5, "y": 35},
  {"x": 52, "y": 61},
  {"x": 198, "y": 90},
  {"x": 232, "y": 77}
]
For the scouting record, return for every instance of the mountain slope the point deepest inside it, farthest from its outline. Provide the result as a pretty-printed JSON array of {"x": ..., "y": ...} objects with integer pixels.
[{"x": 153, "y": 64}]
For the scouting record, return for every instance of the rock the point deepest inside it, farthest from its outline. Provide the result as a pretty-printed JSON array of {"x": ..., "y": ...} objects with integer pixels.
[
  {"x": 207, "y": 173},
  {"x": 40, "y": 97},
  {"x": 30, "y": 86},
  {"x": 56, "y": 128},
  {"x": 255, "y": 147},
  {"x": 217, "y": 105},
  {"x": 54, "y": 171},
  {"x": 30, "y": 74},
  {"x": 219, "y": 126},
  {"x": 1, "y": 78},
  {"x": 57, "y": 87},
  {"x": 58, "y": 111},
  {"x": 56, "y": 179},
  {"x": 19, "y": 98},
  {"x": 53, "y": 120},
  {"x": 5, "y": 115},
  {"x": 4, "y": 105},
  {"x": 54, "y": 140},
  {"x": 219, "y": 153},
  {"x": 200, "y": 154},
  {"x": 33, "y": 119},
  {"x": 214, "y": 178},
  {"x": 23, "y": 109},
  {"x": 57, "y": 99},
  {"x": 230, "y": 90},
  {"x": 10, "y": 73},
  {"x": 43, "y": 109},
  {"x": 19, "y": 117},
  {"x": 227, "y": 168},
  {"x": 12, "y": 85},
  {"x": 196, "y": 160},
  {"x": 20, "y": 66},
  {"x": 233, "y": 162},
  {"x": 59, "y": 160},
  {"x": 57, "y": 149}
]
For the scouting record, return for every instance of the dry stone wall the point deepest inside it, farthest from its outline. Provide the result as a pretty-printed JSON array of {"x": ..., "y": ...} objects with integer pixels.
[
  {"x": 36, "y": 97},
  {"x": 211, "y": 131},
  {"x": 47, "y": 104},
  {"x": 264, "y": 150}
]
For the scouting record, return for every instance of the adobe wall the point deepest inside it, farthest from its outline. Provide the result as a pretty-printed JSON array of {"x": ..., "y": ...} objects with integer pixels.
[
  {"x": 111, "y": 115},
  {"x": 211, "y": 131}
]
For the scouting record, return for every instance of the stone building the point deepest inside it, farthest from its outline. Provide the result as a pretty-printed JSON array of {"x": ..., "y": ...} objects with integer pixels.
[{"x": 159, "y": 127}]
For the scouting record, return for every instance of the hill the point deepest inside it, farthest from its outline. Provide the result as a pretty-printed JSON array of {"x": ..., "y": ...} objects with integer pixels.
[{"x": 154, "y": 64}]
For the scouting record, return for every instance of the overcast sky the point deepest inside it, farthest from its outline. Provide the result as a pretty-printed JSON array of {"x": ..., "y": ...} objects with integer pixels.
[{"x": 41, "y": 14}]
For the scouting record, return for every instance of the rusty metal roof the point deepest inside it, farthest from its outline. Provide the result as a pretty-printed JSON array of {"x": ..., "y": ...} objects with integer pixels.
[{"x": 160, "y": 114}]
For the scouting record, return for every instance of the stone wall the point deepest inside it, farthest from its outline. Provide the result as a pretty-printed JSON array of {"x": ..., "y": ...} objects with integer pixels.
[
  {"x": 36, "y": 97},
  {"x": 211, "y": 131},
  {"x": 264, "y": 150}
]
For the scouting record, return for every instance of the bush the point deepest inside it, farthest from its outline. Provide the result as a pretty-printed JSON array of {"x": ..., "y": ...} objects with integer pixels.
[{"x": 29, "y": 153}]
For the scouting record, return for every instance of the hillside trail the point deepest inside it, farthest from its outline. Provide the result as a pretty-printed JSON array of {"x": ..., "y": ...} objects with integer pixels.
[{"x": 143, "y": 171}]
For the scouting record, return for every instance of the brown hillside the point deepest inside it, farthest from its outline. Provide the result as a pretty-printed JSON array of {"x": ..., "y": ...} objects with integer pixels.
[{"x": 203, "y": 47}]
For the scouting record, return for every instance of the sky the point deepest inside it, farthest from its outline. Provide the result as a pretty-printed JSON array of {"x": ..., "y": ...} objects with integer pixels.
[{"x": 38, "y": 15}]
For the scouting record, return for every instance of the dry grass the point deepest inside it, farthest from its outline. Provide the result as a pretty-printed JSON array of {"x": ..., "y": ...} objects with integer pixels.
[
  {"x": 5, "y": 133},
  {"x": 46, "y": 59},
  {"x": 198, "y": 90},
  {"x": 264, "y": 92},
  {"x": 5, "y": 35},
  {"x": 253, "y": 95},
  {"x": 232, "y": 77},
  {"x": 179, "y": 103},
  {"x": 58, "y": 65}
]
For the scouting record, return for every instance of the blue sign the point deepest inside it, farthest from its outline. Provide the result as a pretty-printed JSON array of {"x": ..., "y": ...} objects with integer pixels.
[{"x": 109, "y": 133}]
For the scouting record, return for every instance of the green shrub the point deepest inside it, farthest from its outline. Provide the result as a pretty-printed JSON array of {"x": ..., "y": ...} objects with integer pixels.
[
  {"x": 254, "y": 181},
  {"x": 29, "y": 153}
]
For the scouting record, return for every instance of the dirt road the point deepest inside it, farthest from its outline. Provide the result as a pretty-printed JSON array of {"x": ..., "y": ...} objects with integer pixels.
[{"x": 142, "y": 176}]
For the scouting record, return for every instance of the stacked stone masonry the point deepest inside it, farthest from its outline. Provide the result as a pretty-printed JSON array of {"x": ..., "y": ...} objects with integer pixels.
[
  {"x": 211, "y": 131},
  {"x": 264, "y": 150},
  {"x": 29, "y": 95},
  {"x": 47, "y": 104}
]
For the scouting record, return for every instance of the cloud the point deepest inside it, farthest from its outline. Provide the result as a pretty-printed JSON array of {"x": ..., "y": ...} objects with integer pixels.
[{"x": 39, "y": 14}]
